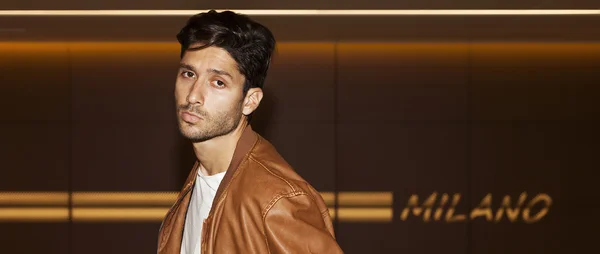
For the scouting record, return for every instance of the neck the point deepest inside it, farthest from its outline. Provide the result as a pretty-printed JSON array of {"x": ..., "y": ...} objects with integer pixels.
[{"x": 215, "y": 154}]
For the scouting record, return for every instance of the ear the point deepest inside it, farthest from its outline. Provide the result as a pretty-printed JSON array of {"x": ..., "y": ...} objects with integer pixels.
[{"x": 252, "y": 100}]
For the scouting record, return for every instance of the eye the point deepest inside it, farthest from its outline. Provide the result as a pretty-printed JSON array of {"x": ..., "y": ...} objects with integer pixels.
[
  {"x": 188, "y": 74},
  {"x": 218, "y": 83}
]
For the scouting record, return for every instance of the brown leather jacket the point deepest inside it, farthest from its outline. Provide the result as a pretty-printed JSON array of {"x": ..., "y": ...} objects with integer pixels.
[{"x": 261, "y": 206}]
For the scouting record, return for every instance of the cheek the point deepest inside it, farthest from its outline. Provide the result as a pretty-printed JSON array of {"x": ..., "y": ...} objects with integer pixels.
[{"x": 224, "y": 103}]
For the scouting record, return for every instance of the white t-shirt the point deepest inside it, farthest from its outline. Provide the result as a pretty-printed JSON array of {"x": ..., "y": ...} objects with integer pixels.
[{"x": 200, "y": 204}]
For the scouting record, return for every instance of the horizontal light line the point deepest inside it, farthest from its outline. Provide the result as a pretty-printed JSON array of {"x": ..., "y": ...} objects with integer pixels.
[
  {"x": 34, "y": 198},
  {"x": 166, "y": 198},
  {"x": 365, "y": 198},
  {"x": 287, "y": 12},
  {"x": 154, "y": 214},
  {"x": 363, "y": 214},
  {"x": 124, "y": 198},
  {"x": 408, "y": 48},
  {"x": 34, "y": 214},
  {"x": 119, "y": 214},
  {"x": 329, "y": 198}
]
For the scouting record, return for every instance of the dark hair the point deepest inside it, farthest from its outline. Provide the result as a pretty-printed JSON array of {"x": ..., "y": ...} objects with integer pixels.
[{"x": 249, "y": 43}]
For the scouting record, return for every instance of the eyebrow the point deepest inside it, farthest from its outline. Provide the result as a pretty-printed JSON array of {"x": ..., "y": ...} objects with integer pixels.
[
  {"x": 191, "y": 68},
  {"x": 220, "y": 72},
  {"x": 187, "y": 67}
]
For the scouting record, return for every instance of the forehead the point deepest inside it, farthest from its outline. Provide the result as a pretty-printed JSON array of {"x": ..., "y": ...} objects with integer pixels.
[{"x": 209, "y": 57}]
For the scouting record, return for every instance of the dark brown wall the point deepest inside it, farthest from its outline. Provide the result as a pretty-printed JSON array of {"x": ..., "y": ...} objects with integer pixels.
[{"x": 439, "y": 105}]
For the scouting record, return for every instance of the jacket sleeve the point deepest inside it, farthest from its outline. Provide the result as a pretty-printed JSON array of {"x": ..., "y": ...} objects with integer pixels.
[{"x": 294, "y": 224}]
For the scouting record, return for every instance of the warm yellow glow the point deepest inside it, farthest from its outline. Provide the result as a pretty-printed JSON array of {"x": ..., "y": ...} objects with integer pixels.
[
  {"x": 153, "y": 214},
  {"x": 417, "y": 49},
  {"x": 166, "y": 198},
  {"x": 365, "y": 199},
  {"x": 363, "y": 214},
  {"x": 301, "y": 12},
  {"x": 34, "y": 198},
  {"x": 124, "y": 198},
  {"x": 119, "y": 214},
  {"x": 152, "y": 206},
  {"x": 329, "y": 198},
  {"x": 35, "y": 214},
  {"x": 147, "y": 49}
]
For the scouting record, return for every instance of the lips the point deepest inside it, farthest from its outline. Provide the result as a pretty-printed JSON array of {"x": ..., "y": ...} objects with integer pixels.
[{"x": 190, "y": 117}]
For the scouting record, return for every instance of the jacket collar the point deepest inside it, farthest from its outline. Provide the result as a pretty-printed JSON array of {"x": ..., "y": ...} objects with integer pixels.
[
  {"x": 243, "y": 147},
  {"x": 175, "y": 219}
]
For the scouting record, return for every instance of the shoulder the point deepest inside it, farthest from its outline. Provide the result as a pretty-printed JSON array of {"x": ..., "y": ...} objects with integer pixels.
[{"x": 267, "y": 178}]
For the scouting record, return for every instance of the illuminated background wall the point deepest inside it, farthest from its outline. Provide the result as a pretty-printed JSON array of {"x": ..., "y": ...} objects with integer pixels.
[{"x": 371, "y": 110}]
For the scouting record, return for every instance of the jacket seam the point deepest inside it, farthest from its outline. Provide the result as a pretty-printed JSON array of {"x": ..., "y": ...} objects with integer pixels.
[
  {"x": 279, "y": 197},
  {"x": 271, "y": 204},
  {"x": 163, "y": 236},
  {"x": 238, "y": 170},
  {"x": 324, "y": 213},
  {"x": 276, "y": 175},
  {"x": 247, "y": 156}
]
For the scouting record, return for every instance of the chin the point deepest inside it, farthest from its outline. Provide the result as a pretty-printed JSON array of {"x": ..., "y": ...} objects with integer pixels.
[{"x": 187, "y": 130}]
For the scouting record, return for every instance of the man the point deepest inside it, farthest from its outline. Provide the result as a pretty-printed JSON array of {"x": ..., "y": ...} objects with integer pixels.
[{"x": 241, "y": 196}]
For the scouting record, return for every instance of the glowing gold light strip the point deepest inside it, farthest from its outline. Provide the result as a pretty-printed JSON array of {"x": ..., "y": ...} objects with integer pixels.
[
  {"x": 34, "y": 214},
  {"x": 288, "y": 12},
  {"x": 329, "y": 198},
  {"x": 363, "y": 214},
  {"x": 166, "y": 198},
  {"x": 34, "y": 198},
  {"x": 365, "y": 198},
  {"x": 157, "y": 214},
  {"x": 154, "y": 214},
  {"x": 119, "y": 214},
  {"x": 124, "y": 198}
]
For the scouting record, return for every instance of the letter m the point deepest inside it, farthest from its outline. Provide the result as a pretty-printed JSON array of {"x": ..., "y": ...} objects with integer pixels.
[{"x": 413, "y": 204}]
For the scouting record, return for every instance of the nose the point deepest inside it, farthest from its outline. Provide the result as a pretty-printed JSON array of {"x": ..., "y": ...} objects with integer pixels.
[{"x": 196, "y": 93}]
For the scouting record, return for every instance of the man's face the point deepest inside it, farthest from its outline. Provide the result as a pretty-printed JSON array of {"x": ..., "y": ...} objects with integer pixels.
[{"x": 209, "y": 94}]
